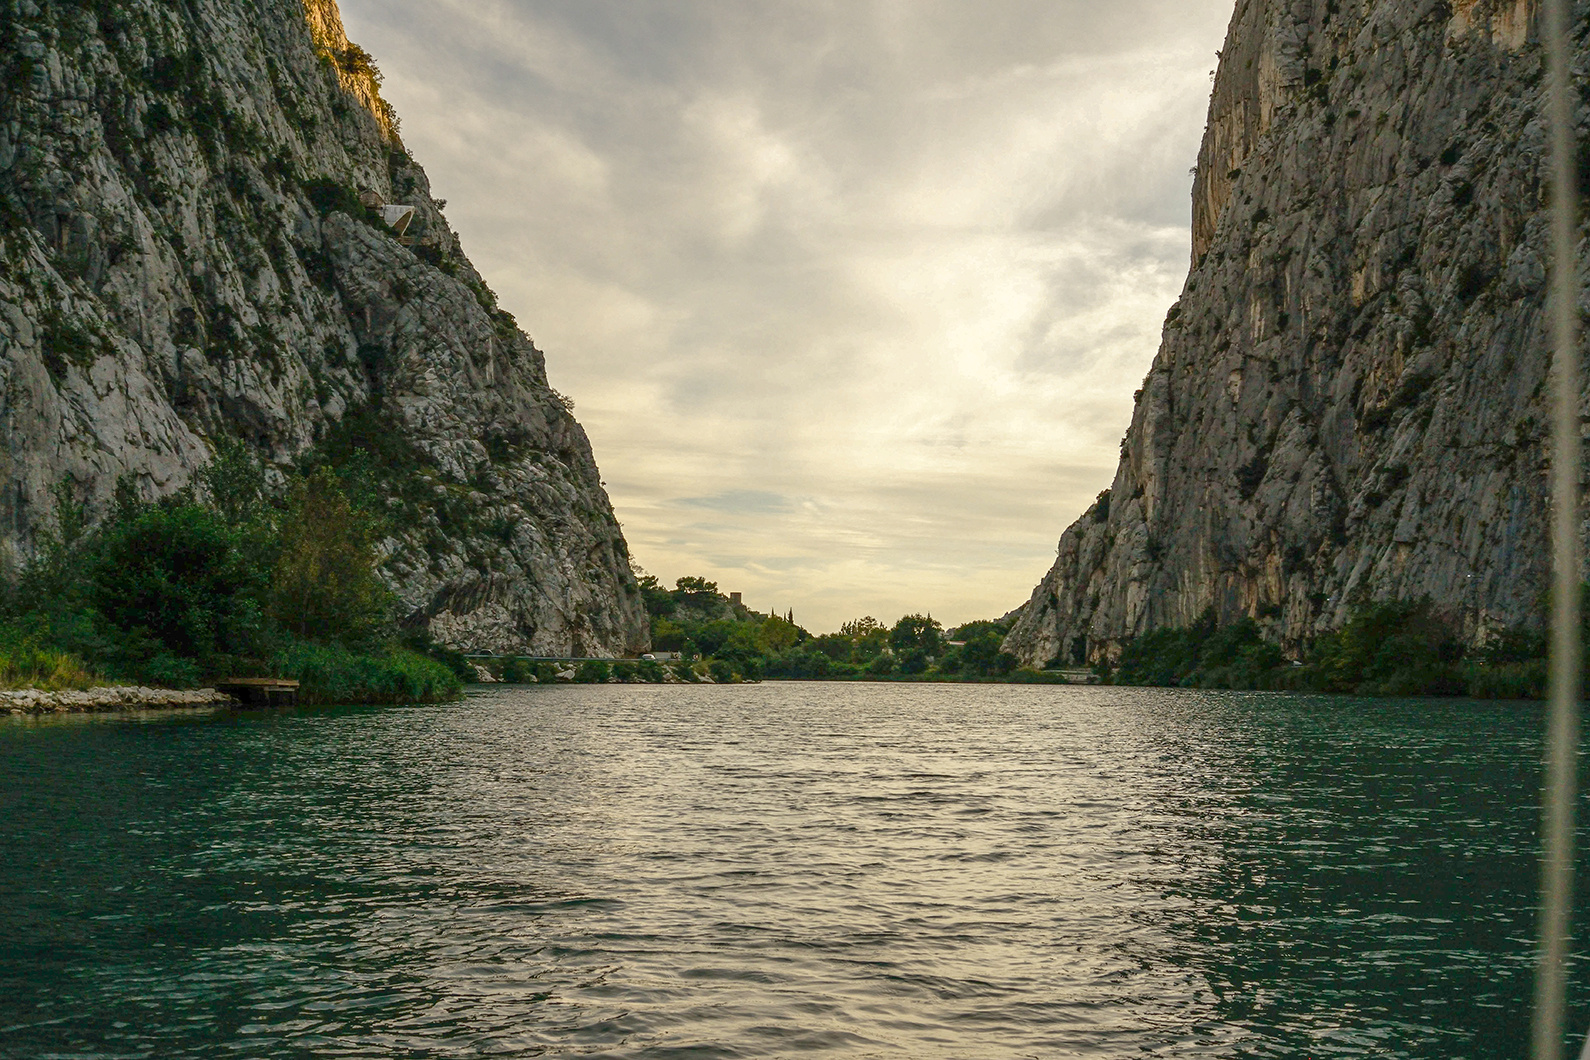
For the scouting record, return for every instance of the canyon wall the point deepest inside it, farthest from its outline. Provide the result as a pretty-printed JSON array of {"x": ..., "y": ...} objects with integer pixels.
[
  {"x": 1350, "y": 400},
  {"x": 187, "y": 254}
]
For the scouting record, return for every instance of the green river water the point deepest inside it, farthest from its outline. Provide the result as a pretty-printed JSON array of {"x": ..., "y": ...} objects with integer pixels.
[{"x": 775, "y": 870}]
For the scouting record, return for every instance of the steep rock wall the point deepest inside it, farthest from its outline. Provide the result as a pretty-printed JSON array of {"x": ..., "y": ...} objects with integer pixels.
[
  {"x": 184, "y": 257},
  {"x": 1349, "y": 401}
]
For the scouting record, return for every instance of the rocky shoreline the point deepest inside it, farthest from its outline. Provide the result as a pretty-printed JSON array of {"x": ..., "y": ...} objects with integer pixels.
[{"x": 110, "y": 698}]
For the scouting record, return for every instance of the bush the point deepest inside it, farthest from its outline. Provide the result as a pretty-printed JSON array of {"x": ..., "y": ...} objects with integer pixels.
[
  {"x": 420, "y": 642},
  {"x": 1511, "y": 680},
  {"x": 804, "y": 661},
  {"x": 981, "y": 656},
  {"x": 593, "y": 672},
  {"x": 720, "y": 671},
  {"x": 881, "y": 665},
  {"x": 1165, "y": 657},
  {"x": 172, "y": 579},
  {"x": 337, "y": 675}
]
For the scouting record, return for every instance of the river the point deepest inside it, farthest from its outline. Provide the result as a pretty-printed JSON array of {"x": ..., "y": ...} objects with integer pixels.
[{"x": 775, "y": 870}]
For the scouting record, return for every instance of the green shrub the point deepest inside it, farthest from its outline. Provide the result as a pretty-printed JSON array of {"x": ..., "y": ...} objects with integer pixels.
[
  {"x": 981, "y": 655},
  {"x": 421, "y": 642},
  {"x": 330, "y": 196},
  {"x": 593, "y": 672},
  {"x": 1509, "y": 680},
  {"x": 720, "y": 671},
  {"x": 177, "y": 573},
  {"x": 1391, "y": 648},
  {"x": 337, "y": 675},
  {"x": 1025, "y": 675}
]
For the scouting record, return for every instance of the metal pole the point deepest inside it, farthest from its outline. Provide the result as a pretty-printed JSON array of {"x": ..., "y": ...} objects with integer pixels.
[{"x": 1562, "y": 737}]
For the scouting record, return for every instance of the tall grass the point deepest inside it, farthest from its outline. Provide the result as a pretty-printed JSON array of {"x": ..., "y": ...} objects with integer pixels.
[
  {"x": 24, "y": 664},
  {"x": 394, "y": 675}
]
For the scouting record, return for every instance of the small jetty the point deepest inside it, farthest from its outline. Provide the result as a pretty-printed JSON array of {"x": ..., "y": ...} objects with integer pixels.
[
  {"x": 1076, "y": 676},
  {"x": 261, "y": 691}
]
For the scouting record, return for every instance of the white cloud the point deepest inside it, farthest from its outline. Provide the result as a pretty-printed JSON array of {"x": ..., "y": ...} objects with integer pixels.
[{"x": 852, "y": 295}]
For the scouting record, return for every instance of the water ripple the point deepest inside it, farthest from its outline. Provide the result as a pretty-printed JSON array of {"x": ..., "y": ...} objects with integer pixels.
[{"x": 774, "y": 871}]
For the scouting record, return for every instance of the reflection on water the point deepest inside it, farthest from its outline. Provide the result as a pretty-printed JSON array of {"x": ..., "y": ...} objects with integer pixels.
[{"x": 760, "y": 871}]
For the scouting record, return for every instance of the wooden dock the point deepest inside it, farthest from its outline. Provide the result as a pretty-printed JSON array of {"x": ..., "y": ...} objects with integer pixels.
[
  {"x": 1076, "y": 676},
  {"x": 261, "y": 691}
]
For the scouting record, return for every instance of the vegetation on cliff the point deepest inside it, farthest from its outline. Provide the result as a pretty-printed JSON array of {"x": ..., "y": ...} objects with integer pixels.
[
  {"x": 1390, "y": 648},
  {"x": 233, "y": 578}
]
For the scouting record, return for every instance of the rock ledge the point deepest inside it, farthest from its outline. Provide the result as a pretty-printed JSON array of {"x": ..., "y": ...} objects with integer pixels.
[{"x": 102, "y": 700}]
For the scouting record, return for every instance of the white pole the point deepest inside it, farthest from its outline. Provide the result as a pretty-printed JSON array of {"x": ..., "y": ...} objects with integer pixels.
[{"x": 1562, "y": 736}]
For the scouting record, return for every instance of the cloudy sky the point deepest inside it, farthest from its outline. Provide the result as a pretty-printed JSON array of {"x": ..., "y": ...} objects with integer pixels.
[{"x": 851, "y": 295}]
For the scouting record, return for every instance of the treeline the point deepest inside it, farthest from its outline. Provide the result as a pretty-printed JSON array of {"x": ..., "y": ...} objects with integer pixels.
[
  {"x": 726, "y": 641},
  {"x": 230, "y": 578},
  {"x": 1395, "y": 648}
]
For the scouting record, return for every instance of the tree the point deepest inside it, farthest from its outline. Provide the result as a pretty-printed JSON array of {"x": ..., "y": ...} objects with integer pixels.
[
  {"x": 659, "y": 601},
  {"x": 981, "y": 656},
  {"x": 916, "y": 633},
  {"x": 714, "y": 635},
  {"x": 667, "y": 635},
  {"x": 326, "y": 587},
  {"x": 871, "y": 644},
  {"x": 173, "y": 574},
  {"x": 741, "y": 645},
  {"x": 973, "y": 629},
  {"x": 699, "y": 594},
  {"x": 836, "y": 646},
  {"x": 775, "y": 634},
  {"x": 234, "y": 482},
  {"x": 857, "y": 628},
  {"x": 695, "y": 585}
]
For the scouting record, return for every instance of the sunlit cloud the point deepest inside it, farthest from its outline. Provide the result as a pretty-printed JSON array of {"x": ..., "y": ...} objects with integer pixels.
[{"x": 852, "y": 297}]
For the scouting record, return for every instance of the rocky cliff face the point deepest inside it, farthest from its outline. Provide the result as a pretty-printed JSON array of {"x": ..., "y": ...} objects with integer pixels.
[
  {"x": 1350, "y": 398},
  {"x": 185, "y": 256}
]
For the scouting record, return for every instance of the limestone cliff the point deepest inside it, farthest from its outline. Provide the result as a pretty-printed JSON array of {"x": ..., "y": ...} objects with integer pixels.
[
  {"x": 187, "y": 253},
  {"x": 1349, "y": 401}
]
